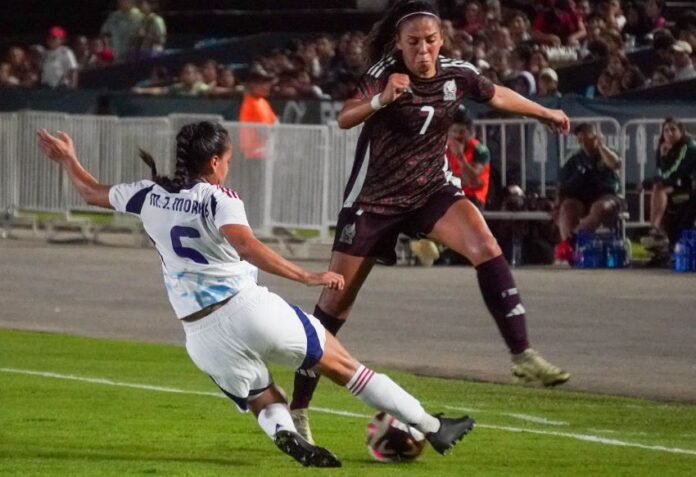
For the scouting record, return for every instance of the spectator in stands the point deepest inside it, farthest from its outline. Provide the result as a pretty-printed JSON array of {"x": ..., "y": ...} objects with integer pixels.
[
  {"x": 151, "y": 35},
  {"x": 519, "y": 26},
  {"x": 35, "y": 55},
  {"x": 556, "y": 24},
  {"x": 548, "y": 83},
  {"x": 474, "y": 19},
  {"x": 21, "y": 67},
  {"x": 326, "y": 51},
  {"x": 521, "y": 56},
  {"x": 189, "y": 84},
  {"x": 681, "y": 61},
  {"x": 308, "y": 53},
  {"x": 610, "y": 10},
  {"x": 59, "y": 67},
  {"x": 538, "y": 60},
  {"x": 662, "y": 41},
  {"x": 226, "y": 84},
  {"x": 638, "y": 23},
  {"x": 209, "y": 73},
  {"x": 653, "y": 8},
  {"x": 524, "y": 84},
  {"x": 343, "y": 87},
  {"x": 584, "y": 9},
  {"x": 633, "y": 79},
  {"x": 352, "y": 61},
  {"x": 502, "y": 39},
  {"x": 614, "y": 40},
  {"x": 494, "y": 11},
  {"x": 7, "y": 79},
  {"x": 672, "y": 189},
  {"x": 480, "y": 49},
  {"x": 621, "y": 75},
  {"x": 606, "y": 85},
  {"x": 121, "y": 28},
  {"x": 100, "y": 54},
  {"x": 661, "y": 76},
  {"x": 588, "y": 188},
  {"x": 499, "y": 60},
  {"x": 469, "y": 159},
  {"x": 81, "y": 49}
]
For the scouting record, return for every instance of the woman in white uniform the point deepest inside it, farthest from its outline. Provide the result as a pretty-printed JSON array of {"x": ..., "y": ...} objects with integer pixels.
[{"x": 233, "y": 326}]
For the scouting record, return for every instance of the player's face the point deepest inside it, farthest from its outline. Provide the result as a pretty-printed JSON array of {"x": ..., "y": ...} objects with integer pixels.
[
  {"x": 222, "y": 166},
  {"x": 420, "y": 41},
  {"x": 459, "y": 132},
  {"x": 671, "y": 133}
]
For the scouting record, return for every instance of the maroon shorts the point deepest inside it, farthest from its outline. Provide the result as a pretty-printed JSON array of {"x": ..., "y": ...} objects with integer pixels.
[{"x": 367, "y": 234}]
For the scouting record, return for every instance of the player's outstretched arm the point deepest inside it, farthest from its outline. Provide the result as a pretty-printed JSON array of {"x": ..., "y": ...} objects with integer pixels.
[
  {"x": 505, "y": 99},
  {"x": 60, "y": 149},
  {"x": 255, "y": 252}
]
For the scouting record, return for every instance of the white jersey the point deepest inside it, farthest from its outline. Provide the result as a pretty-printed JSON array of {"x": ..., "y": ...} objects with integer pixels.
[{"x": 200, "y": 267}]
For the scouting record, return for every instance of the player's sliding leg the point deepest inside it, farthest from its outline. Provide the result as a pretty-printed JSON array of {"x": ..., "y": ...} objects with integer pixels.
[
  {"x": 380, "y": 392},
  {"x": 332, "y": 310},
  {"x": 464, "y": 230},
  {"x": 271, "y": 411}
]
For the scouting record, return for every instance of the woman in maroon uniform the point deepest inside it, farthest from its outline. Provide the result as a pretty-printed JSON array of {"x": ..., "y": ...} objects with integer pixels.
[{"x": 400, "y": 182}]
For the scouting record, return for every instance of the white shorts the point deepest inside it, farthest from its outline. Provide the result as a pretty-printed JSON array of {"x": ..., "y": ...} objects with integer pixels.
[{"x": 233, "y": 344}]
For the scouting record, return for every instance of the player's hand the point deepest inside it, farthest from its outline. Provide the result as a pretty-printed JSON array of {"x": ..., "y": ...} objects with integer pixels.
[
  {"x": 456, "y": 146},
  {"x": 397, "y": 85},
  {"x": 58, "y": 148},
  {"x": 557, "y": 120},
  {"x": 331, "y": 280}
]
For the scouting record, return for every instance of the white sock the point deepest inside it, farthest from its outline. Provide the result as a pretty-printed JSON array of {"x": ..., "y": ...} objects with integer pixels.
[
  {"x": 274, "y": 417},
  {"x": 380, "y": 392}
]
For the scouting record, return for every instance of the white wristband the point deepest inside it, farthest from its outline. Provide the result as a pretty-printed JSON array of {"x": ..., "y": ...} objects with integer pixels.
[{"x": 375, "y": 104}]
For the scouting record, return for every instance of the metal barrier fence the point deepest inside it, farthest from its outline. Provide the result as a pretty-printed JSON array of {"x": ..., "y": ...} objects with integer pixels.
[{"x": 289, "y": 175}]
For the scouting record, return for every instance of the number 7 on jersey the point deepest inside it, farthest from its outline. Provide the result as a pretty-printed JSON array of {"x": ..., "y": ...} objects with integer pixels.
[{"x": 429, "y": 112}]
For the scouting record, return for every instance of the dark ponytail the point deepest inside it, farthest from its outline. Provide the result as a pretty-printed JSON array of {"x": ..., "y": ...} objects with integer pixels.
[
  {"x": 380, "y": 40},
  {"x": 196, "y": 143}
]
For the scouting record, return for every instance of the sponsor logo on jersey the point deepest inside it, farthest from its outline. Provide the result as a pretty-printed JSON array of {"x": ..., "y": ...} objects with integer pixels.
[
  {"x": 449, "y": 90},
  {"x": 348, "y": 234}
]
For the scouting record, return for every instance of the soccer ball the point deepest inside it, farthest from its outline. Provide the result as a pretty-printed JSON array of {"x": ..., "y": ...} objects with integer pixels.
[{"x": 390, "y": 440}]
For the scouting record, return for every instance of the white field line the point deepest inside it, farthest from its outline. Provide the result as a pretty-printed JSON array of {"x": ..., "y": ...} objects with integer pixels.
[
  {"x": 515, "y": 415},
  {"x": 571, "y": 435}
]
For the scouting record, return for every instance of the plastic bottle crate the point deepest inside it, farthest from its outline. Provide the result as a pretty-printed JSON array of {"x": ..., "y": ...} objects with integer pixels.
[{"x": 599, "y": 250}]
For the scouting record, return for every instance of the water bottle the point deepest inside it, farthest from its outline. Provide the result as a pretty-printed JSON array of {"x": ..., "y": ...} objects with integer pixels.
[
  {"x": 682, "y": 256},
  {"x": 583, "y": 251},
  {"x": 691, "y": 241},
  {"x": 597, "y": 252},
  {"x": 611, "y": 255}
]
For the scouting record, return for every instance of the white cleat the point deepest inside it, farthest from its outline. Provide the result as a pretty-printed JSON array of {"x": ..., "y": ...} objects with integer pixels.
[{"x": 300, "y": 417}]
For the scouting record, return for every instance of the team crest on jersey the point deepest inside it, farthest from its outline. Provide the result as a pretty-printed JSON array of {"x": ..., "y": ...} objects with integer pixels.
[
  {"x": 347, "y": 234},
  {"x": 449, "y": 90}
]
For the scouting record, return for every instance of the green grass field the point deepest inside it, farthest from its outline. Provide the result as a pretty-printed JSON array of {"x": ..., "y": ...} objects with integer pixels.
[{"x": 90, "y": 407}]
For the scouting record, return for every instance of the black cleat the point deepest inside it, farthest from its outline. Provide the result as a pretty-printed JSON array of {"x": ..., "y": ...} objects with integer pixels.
[
  {"x": 451, "y": 431},
  {"x": 303, "y": 452}
]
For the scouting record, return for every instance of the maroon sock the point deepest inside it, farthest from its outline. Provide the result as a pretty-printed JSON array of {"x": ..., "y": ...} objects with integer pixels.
[
  {"x": 305, "y": 384},
  {"x": 503, "y": 301}
]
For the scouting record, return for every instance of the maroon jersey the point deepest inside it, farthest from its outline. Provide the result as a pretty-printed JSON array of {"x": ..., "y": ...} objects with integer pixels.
[{"x": 400, "y": 158}]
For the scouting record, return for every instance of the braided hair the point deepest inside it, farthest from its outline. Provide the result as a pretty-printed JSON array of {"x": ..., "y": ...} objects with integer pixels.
[
  {"x": 196, "y": 143},
  {"x": 380, "y": 41}
]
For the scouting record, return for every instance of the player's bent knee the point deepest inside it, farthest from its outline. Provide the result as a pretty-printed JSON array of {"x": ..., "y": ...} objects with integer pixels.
[{"x": 336, "y": 363}]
